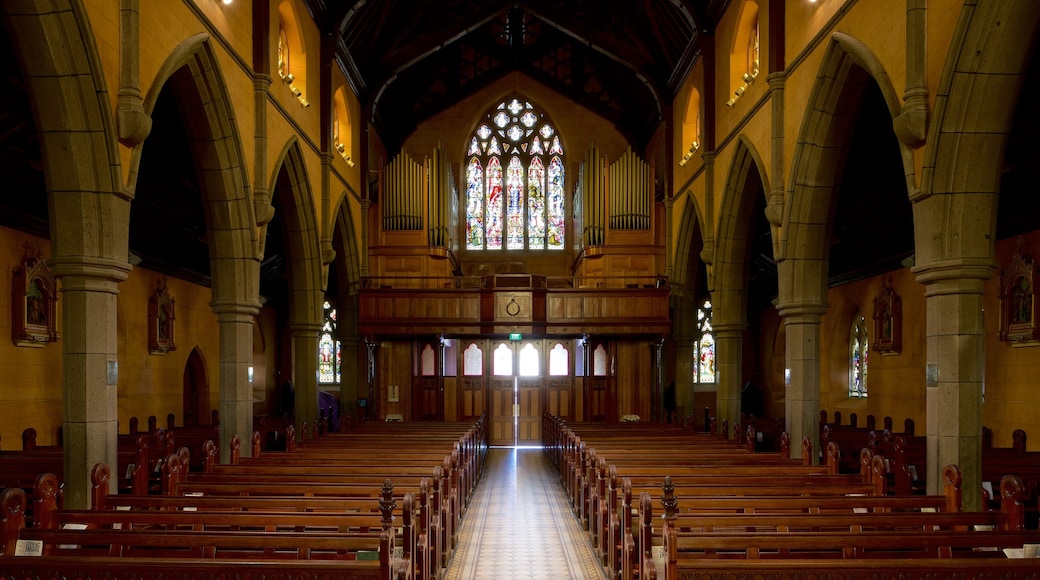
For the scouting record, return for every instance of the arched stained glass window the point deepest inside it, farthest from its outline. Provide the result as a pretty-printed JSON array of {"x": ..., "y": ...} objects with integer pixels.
[
  {"x": 515, "y": 197},
  {"x": 704, "y": 347},
  {"x": 328, "y": 349},
  {"x": 859, "y": 346}
]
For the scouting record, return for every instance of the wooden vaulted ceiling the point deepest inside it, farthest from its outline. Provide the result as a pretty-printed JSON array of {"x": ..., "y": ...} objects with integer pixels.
[{"x": 411, "y": 59}]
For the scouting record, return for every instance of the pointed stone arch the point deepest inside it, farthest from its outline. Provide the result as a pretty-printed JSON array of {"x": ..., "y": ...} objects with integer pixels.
[
  {"x": 685, "y": 253},
  {"x": 736, "y": 228},
  {"x": 822, "y": 145},
  {"x": 684, "y": 281},
  {"x": 347, "y": 267},
  {"x": 192, "y": 71},
  {"x": 291, "y": 194},
  {"x": 956, "y": 215},
  {"x": 804, "y": 245},
  {"x": 61, "y": 67}
]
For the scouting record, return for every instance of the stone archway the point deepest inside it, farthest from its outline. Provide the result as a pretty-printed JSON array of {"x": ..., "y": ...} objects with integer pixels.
[
  {"x": 292, "y": 197},
  {"x": 346, "y": 268},
  {"x": 88, "y": 219},
  {"x": 736, "y": 227},
  {"x": 955, "y": 212},
  {"x": 804, "y": 245},
  {"x": 192, "y": 73}
]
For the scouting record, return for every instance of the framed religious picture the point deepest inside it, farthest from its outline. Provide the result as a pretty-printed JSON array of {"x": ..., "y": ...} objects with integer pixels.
[
  {"x": 888, "y": 320},
  {"x": 1018, "y": 301},
  {"x": 161, "y": 320},
  {"x": 34, "y": 298}
]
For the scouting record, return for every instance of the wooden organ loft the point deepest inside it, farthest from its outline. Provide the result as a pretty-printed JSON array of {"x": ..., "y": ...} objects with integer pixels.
[{"x": 577, "y": 332}]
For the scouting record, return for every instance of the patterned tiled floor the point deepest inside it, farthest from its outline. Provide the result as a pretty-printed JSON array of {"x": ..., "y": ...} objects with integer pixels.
[{"x": 520, "y": 526}]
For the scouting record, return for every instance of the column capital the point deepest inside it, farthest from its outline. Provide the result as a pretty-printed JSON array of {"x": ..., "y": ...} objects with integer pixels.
[
  {"x": 808, "y": 312},
  {"x": 304, "y": 327},
  {"x": 957, "y": 276},
  {"x": 728, "y": 328},
  {"x": 234, "y": 310},
  {"x": 88, "y": 273}
]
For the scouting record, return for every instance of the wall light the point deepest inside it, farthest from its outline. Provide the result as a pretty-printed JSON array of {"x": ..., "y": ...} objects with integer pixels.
[
  {"x": 228, "y": 2},
  {"x": 249, "y": 374}
]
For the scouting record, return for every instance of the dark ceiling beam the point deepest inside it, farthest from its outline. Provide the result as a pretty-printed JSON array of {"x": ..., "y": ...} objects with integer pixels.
[{"x": 655, "y": 91}]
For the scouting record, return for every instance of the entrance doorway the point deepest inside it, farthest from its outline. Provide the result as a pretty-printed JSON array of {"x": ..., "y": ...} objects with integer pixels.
[{"x": 516, "y": 389}]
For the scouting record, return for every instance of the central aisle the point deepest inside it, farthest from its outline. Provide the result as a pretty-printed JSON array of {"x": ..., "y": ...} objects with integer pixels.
[{"x": 519, "y": 524}]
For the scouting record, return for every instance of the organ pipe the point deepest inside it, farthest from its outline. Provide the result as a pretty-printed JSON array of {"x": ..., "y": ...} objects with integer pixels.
[
  {"x": 404, "y": 183},
  {"x": 631, "y": 193}
]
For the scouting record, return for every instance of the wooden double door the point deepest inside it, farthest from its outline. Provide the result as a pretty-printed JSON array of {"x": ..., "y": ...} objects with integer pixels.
[{"x": 520, "y": 381}]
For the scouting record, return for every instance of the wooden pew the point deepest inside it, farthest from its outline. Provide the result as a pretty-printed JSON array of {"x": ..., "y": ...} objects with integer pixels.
[{"x": 689, "y": 538}]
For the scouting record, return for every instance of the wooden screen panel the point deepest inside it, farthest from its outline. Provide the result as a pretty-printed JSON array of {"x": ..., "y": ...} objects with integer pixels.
[
  {"x": 558, "y": 398},
  {"x": 473, "y": 399},
  {"x": 431, "y": 400},
  {"x": 597, "y": 397}
]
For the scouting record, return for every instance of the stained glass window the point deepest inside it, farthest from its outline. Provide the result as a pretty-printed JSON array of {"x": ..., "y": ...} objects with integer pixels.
[
  {"x": 515, "y": 196},
  {"x": 328, "y": 349},
  {"x": 704, "y": 347},
  {"x": 859, "y": 346}
]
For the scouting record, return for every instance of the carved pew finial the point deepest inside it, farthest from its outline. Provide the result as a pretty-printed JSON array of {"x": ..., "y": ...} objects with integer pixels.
[
  {"x": 45, "y": 493},
  {"x": 12, "y": 516},
  {"x": 668, "y": 500},
  {"x": 952, "y": 479},
  {"x": 1012, "y": 495},
  {"x": 99, "y": 477},
  {"x": 387, "y": 504}
]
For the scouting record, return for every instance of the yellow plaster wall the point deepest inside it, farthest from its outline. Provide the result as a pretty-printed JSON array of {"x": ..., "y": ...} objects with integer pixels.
[
  {"x": 1012, "y": 398},
  {"x": 31, "y": 395},
  {"x": 895, "y": 383},
  {"x": 154, "y": 384}
]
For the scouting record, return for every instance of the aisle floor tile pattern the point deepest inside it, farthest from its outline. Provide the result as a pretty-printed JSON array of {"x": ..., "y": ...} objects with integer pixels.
[{"x": 520, "y": 525}]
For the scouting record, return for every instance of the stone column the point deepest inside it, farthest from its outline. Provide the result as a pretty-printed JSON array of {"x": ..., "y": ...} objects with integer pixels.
[
  {"x": 235, "y": 320},
  {"x": 802, "y": 375},
  {"x": 304, "y": 338},
  {"x": 955, "y": 371},
  {"x": 89, "y": 370},
  {"x": 728, "y": 356}
]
